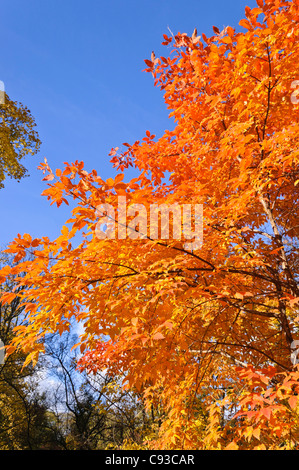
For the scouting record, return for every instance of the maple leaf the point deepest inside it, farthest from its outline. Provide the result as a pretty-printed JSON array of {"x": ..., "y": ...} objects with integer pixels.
[{"x": 158, "y": 336}]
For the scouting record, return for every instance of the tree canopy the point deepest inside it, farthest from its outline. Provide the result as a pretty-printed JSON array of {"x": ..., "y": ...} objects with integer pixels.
[{"x": 204, "y": 333}]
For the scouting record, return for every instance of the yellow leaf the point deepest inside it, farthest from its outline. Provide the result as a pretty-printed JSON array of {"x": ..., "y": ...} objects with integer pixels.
[
  {"x": 261, "y": 447},
  {"x": 232, "y": 446},
  {"x": 256, "y": 433}
]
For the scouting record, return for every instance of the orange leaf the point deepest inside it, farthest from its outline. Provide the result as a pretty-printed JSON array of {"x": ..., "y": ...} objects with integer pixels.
[
  {"x": 293, "y": 402},
  {"x": 256, "y": 433},
  {"x": 8, "y": 297},
  {"x": 245, "y": 24},
  {"x": 110, "y": 182},
  {"x": 158, "y": 336}
]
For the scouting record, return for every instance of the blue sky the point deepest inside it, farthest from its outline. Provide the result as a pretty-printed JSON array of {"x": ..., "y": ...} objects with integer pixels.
[{"x": 78, "y": 67}]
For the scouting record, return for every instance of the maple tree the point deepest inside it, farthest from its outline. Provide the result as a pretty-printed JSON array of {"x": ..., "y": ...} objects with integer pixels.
[
  {"x": 18, "y": 138},
  {"x": 205, "y": 335}
]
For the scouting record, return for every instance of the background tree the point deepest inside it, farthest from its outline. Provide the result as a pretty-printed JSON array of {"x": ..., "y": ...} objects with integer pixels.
[
  {"x": 23, "y": 410},
  {"x": 72, "y": 399},
  {"x": 53, "y": 405},
  {"x": 89, "y": 411},
  {"x": 18, "y": 138}
]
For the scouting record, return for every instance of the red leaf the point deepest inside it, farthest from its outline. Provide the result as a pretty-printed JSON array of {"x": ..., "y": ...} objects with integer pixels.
[
  {"x": 205, "y": 38},
  {"x": 247, "y": 11},
  {"x": 149, "y": 63}
]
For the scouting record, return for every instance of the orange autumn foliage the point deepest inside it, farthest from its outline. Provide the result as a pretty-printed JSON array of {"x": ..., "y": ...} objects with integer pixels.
[{"x": 205, "y": 335}]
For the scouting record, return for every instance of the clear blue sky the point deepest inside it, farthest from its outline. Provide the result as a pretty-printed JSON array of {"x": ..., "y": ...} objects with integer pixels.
[{"x": 78, "y": 67}]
